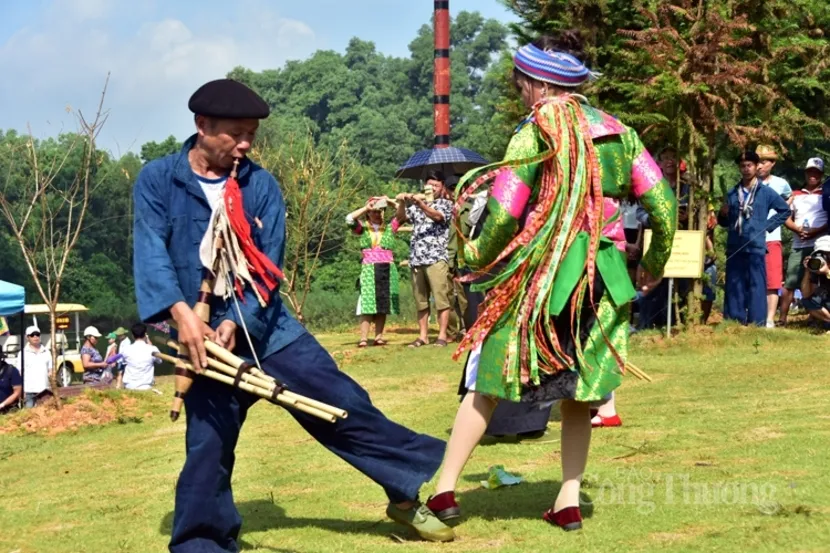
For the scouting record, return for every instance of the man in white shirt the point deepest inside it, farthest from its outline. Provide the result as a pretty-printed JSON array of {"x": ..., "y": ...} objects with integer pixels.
[
  {"x": 808, "y": 222},
  {"x": 37, "y": 367},
  {"x": 775, "y": 253},
  {"x": 139, "y": 372},
  {"x": 121, "y": 334}
]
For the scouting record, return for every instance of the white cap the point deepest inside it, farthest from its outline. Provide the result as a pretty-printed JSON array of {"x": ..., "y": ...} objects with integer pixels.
[
  {"x": 92, "y": 331},
  {"x": 31, "y": 329},
  {"x": 815, "y": 163},
  {"x": 822, "y": 244}
]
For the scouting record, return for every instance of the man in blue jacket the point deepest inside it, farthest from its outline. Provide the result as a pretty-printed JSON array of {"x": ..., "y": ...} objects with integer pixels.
[
  {"x": 746, "y": 213},
  {"x": 174, "y": 200}
]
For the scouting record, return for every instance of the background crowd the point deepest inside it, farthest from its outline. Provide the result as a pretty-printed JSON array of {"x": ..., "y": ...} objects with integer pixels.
[{"x": 762, "y": 277}]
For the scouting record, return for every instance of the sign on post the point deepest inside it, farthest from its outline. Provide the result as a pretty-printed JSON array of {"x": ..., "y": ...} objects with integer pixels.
[
  {"x": 686, "y": 261},
  {"x": 62, "y": 322},
  {"x": 687, "y": 254}
]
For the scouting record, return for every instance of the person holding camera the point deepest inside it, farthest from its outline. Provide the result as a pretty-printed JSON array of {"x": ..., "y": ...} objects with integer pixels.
[
  {"x": 808, "y": 222},
  {"x": 745, "y": 213},
  {"x": 430, "y": 215},
  {"x": 815, "y": 286}
]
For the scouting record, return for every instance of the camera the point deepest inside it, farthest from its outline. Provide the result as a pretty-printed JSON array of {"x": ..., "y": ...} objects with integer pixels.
[
  {"x": 429, "y": 193},
  {"x": 817, "y": 261}
]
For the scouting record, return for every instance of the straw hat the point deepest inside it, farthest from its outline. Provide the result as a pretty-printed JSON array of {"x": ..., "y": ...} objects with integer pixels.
[{"x": 766, "y": 152}]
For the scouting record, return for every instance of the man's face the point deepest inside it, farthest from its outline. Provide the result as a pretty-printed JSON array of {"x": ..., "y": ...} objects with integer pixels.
[
  {"x": 765, "y": 168},
  {"x": 437, "y": 187},
  {"x": 813, "y": 178},
  {"x": 668, "y": 163},
  {"x": 226, "y": 139},
  {"x": 749, "y": 169},
  {"x": 34, "y": 339}
]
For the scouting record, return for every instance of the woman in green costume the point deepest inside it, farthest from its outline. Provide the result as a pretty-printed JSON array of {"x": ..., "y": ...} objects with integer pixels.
[
  {"x": 378, "y": 284},
  {"x": 554, "y": 324}
]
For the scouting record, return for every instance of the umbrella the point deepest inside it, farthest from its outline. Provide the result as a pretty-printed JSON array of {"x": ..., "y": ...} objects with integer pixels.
[{"x": 450, "y": 160}]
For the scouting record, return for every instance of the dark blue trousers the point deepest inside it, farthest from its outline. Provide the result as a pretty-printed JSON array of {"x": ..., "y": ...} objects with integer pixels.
[
  {"x": 206, "y": 519},
  {"x": 746, "y": 289}
]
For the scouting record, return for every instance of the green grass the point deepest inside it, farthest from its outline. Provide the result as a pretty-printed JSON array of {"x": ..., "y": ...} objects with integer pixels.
[{"x": 730, "y": 411}]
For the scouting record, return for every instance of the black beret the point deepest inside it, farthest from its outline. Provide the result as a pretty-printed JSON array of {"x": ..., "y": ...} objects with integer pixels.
[
  {"x": 748, "y": 156},
  {"x": 228, "y": 99}
]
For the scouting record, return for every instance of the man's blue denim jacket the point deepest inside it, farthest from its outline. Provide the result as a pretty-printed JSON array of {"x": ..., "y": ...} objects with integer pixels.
[{"x": 171, "y": 217}]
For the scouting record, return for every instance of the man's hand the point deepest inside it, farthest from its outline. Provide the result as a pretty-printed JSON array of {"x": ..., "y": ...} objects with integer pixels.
[
  {"x": 646, "y": 282},
  {"x": 808, "y": 234},
  {"x": 226, "y": 335},
  {"x": 192, "y": 332}
]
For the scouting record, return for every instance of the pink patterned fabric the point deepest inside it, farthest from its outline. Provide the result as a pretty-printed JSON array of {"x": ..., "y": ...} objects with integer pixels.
[
  {"x": 608, "y": 127},
  {"x": 511, "y": 193},
  {"x": 372, "y": 256},
  {"x": 645, "y": 174},
  {"x": 614, "y": 231},
  {"x": 395, "y": 225}
]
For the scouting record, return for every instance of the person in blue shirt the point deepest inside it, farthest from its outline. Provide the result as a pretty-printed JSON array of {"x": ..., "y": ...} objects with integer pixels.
[
  {"x": 746, "y": 215},
  {"x": 11, "y": 385},
  {"x": 174, "y": 200}
]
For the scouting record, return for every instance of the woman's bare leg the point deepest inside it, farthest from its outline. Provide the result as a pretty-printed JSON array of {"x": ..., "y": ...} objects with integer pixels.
[
  {"x": 607, "y": 409},
  {"x": 470, "y": 423},
  {"x": 365, "y": 321},
  {"x": 380, "y": 324},
  {"x": 576, "y": 439}
]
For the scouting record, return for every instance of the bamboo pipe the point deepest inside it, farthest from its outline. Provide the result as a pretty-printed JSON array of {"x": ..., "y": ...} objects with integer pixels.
[
  {"x": 229, "y": 358},
  {"x": 636, "y": 371},
  {"x": 270, "y": 384},
  {"x": 250, "y": 388}
]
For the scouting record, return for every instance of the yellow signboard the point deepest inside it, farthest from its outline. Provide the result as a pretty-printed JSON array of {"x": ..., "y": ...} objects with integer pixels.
[{"x": 687, "y": 254}]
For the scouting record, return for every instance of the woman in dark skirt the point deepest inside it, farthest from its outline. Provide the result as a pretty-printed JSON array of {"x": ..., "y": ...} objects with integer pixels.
[{"x": 378, "y": 284}]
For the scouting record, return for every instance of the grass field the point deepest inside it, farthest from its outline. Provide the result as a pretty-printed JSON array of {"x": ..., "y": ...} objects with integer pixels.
[{"x": 725, "y": 451}]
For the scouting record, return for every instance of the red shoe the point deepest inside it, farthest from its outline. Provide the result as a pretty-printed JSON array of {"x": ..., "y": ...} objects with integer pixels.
[
  {"x": 444, "y": 506},
  {"x": 606, "y": 422},
  {"x": 568, "y": 519}
]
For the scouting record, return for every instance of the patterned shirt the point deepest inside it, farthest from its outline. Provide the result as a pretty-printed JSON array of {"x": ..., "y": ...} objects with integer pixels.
[
  {"x": 95, "y": 375},
  {"x": 429, "y": 238}
]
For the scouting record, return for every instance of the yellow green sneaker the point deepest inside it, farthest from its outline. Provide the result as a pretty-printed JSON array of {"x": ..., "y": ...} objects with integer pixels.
[{"x": 422, "y": 520}]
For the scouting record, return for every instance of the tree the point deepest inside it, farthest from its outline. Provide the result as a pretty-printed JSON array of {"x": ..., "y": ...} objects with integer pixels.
[
  {"x": 381, "y": 106},
  {"x": 47, "y": 224},
  {"x": 319, "y": 188},
  {"x": 705, "y": 76},
  {"x": 155, "y": 150}
]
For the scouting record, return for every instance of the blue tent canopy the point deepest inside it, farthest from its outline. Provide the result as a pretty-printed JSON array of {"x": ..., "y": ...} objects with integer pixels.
[{"x": 12, "y": 299}]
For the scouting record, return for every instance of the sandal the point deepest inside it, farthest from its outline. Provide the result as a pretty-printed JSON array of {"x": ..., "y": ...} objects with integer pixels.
[
  {"x": 440, "y": 343},
  {"x": 379, "y": 342},
  {"x": 363, "y": 343},
  {"x": 417, "y": 343}
]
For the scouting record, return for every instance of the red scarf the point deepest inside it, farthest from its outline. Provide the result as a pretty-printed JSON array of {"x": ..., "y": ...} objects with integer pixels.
[{"x": 265, "y": 273}]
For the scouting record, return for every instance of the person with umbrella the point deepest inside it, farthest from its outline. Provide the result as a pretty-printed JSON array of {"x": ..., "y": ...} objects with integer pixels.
[
  {"x": 428, "y": 253},
  {"x": 554, "y": 325}
]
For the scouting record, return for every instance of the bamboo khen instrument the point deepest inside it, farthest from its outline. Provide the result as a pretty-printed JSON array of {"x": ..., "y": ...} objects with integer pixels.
[
  {"x": 234, "y": 371},
  {"x": 635, "y": 371}
]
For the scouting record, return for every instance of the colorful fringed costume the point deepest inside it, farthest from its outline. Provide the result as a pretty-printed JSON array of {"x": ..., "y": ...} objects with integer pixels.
[{"x": 555, "y": 321}]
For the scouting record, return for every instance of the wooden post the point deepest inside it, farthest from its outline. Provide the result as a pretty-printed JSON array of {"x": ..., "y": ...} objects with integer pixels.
[{"x": 441, "y": 100}]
